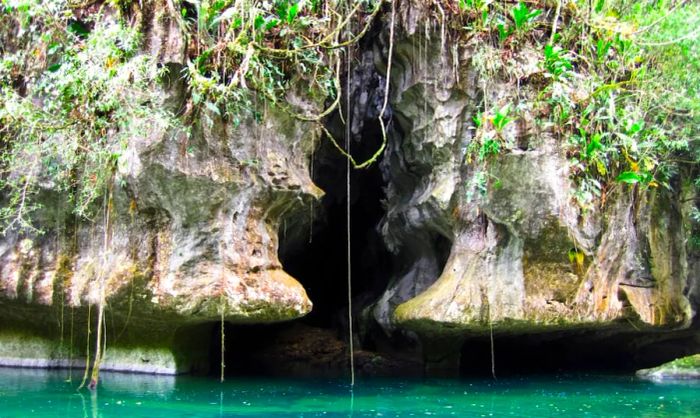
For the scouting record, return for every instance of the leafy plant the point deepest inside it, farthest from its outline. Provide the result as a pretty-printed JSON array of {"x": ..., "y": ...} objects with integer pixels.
[
  {"x": 523, "y": 16},
  {"x": 602, "y": 49},
  {"x": 501, "y": 118},
  {"x": 631, "y": 177},
  {"x": 576, "y": 257},
  {"x": 479, "y": 9},
  {"x": 504, "y": 31},
  {"x": 557, "y": 62},
  {"x": 288, "y": 11},
  {"x": 479, "y": 184},
  {"x": 489, "y": 147},
  {"x": 96, "y": 93}
]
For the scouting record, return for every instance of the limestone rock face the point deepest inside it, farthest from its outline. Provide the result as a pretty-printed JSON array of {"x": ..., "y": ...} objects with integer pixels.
[
  {"x": 195, "y": 217},
  {"x": 478, "y": 244},
  {"x": 191, "y": 234},
  {"x": 524, "y": 256}
]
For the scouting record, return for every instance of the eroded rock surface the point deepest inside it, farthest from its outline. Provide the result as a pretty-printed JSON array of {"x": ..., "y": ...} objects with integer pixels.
[{"x": 191, "y": 234}]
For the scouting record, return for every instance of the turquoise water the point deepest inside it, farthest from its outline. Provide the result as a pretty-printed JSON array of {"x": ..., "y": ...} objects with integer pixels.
[{"x": 38, "y": 393}]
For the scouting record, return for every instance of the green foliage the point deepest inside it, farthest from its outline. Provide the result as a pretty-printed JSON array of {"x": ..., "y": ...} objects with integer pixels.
[
  {"x": 75, "y": 91},
  {"x": 92, "y": 96},
  {"x": 488, "y": 148},
  {"x": 636, "y": 114},
  {"x": 490, "y": 138},
  {"x": 479, "y": 9},
  {"x": 621, "y": 86},
  {"x": 252, "y": 50},
  {"x": 501, "y": 119},
  {"x": 557, "y": 62},
  {"x": 504, "y": 31},
  {"x": 479, "y": 184},
  {"x": 523, "y": 16}
]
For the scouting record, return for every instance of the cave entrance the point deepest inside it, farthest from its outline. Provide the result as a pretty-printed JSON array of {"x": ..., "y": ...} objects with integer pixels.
[{"x": 315, "y": 251}]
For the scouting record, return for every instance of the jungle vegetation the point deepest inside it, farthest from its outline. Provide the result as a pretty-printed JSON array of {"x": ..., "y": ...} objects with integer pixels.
[{"x": 619, "y": 84}]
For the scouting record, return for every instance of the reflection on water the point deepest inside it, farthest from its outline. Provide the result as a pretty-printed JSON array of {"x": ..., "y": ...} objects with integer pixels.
[
  {"x": 137, "y": 384},
  {"x": 36, "y": 380},
  {"x": 37, "y": 393}
]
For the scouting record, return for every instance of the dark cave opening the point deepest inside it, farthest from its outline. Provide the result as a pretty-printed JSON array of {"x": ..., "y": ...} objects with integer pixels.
[{"x": 316, "y": 253}]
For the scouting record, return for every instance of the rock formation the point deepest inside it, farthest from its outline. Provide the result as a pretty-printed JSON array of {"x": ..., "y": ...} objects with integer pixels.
[{"x": 192, "y": 235}]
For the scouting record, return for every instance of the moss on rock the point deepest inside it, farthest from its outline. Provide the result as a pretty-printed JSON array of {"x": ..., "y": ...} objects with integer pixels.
[{"x": 682, "y": 368}]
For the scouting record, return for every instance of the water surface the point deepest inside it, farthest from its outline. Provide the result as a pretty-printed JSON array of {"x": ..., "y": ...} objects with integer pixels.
[{"x": 40, "y": 393}]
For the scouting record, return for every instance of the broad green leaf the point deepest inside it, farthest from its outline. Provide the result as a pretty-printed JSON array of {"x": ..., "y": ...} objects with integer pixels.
[{"x": 628, "y": 177}]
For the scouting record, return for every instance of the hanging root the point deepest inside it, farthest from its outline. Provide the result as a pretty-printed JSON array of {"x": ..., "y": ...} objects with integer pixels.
[
  {"x": 348, "y": 243},
  {"x": 101, "y": 340},
  {"x": 100, "y": 343},
  {"x": 70, "y": 350},
  {"x": 555, "y": 22}
]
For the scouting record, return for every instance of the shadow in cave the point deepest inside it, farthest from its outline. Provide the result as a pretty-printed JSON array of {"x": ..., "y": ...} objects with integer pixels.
[
  {"x": 315, "y": 251},
  {"x": 573, "y": 352},
  {"x": 290, "y": 349}
]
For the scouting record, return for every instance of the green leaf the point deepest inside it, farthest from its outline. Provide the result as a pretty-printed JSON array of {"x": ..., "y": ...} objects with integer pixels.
[
  {"x": 477, "y": 119},
  {"x": 602, "y": 49},
  {"x": 594, "y": 145},
  {"x": 271, "y": 23},
  {"x": 196, "y": 97},
  {"x": 293, "y": 12},
  {"x": 599, "y": 6},
  {"x": 635, "y": 127},
  {"x": 258, "y": 22},
  {"x": 522, "y": 15},
  {"x": 629, "y": 177},
  {"x": 503, "y": 32},
  {"x": 465, "y": 4}
]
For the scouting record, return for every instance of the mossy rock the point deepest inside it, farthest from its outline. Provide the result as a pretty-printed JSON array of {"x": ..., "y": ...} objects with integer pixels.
[{"x": 682, "y": 368}]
